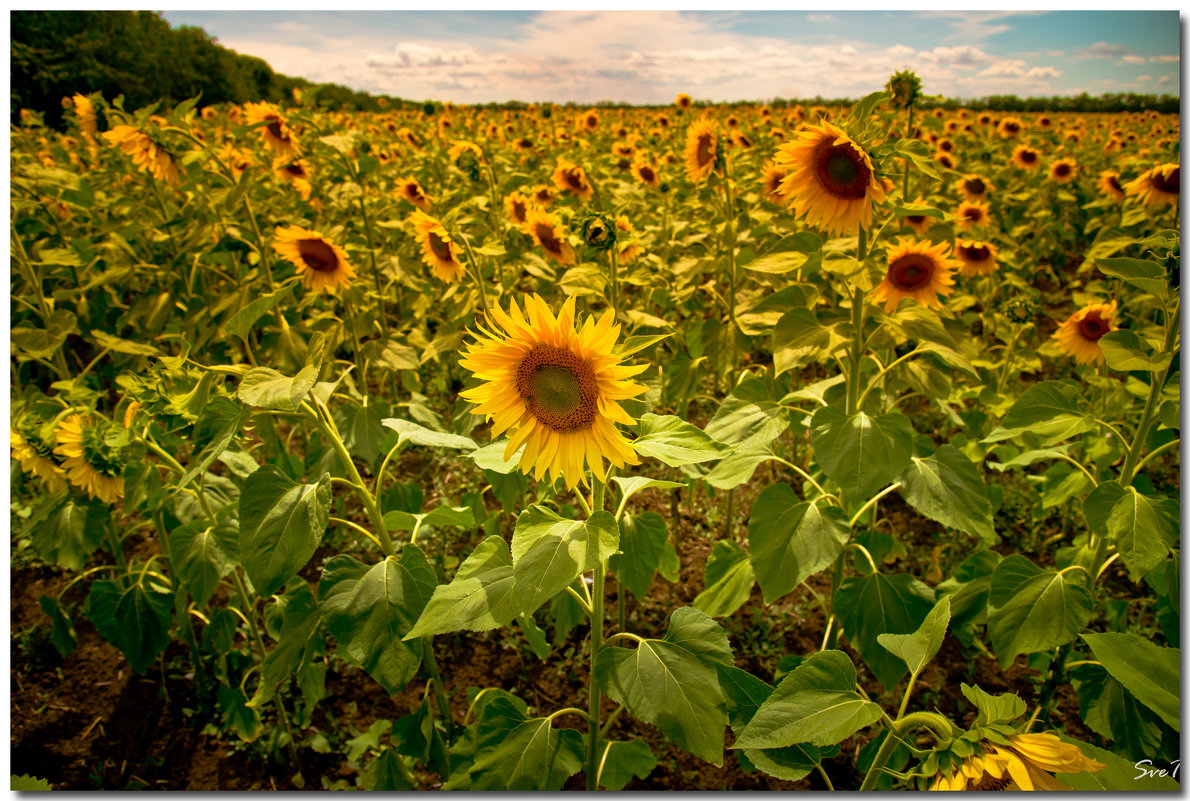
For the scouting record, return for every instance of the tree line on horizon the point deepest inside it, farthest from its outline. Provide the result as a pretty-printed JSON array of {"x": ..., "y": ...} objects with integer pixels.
[{"x": 138, "y": 54}]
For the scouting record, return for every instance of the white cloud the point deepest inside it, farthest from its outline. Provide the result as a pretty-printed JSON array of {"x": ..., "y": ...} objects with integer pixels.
[
  {"x": 1143, "y": 78},
  {"x": 1165, "y": 59},
  {"x": 1043, "y": 72},
  {"x": 1002, "y": 68},
  {"x": 961, "y": 57},
  {"x": 1102, "y": 50},
  {"x": 1164, "y": 79},
  {"x": 820, "y": 18},
  {"x": 1131, "y": 59},
  {"x": 975, "y": 26}
]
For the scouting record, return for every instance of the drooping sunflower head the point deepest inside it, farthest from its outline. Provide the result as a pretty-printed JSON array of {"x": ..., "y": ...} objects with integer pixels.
[
  {"x": 1109, "y": 185},
  {"x": 569, "y": 177},
  {"x": 1016, "y": 762},
  {"x": 555, "y": 389},
  {"x": 1063, "y": 171},
  {"x": 1160, "y": 186},
  {"x": 410, "y": 190},
  {"x": 976, "y": 258},
  {"x": 321, "y": 263},
  {"x": 146, "y": 152},
  {"x": 438, "y": 251},
  {"x": 971, "y": 215},
  {"x": 275, "y": 131},
  {"x": 831, "y": 181},
  {"x": 645, "y": 173},
  {"x": 918, "y": 270},
  {"x": 702, "y": 149},
  {"x": 773, "y": 176},
  {"x": 545, "y": 231},
  {"x": 544, "y": 195},
  {"x": 1079, "y": 336},
  {"x": 973, "y": 187},
  {"x": 1026, "y": 158},
  {"x": 34, "y": 452},
  {"x": 90, "y": 459}
]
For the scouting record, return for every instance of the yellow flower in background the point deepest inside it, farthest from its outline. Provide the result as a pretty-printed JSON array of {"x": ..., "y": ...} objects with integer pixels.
[
  {"x": 646, "y": 174},
  {"x": 971, "y": 215},
  {"x": 437, "y": 249},
  {"x": 517, "y": 207},
  {"x": 34, "y": 456},
  {"x": 976, "y": 258},
  {"x": 630, "y": 251},
  {"x": 321, "y": 264},
  {"x": 1079, "y": 336},
  {"x": 275, "y": 132},
  {"x": 1109, "y": 186},
  {"x": 569, "y": 177},
  {"x": 545, "y": 231},
  {"x": 773, "y": 176},
  {"x": 1063, "y": 171},
  {"x": 1010, "y": 127},
  {"x": 88, "y": 461},
  {"x": 410, "y": 190},
  {"x": 295, "y": 172},
  {"x": 916, "y": 270},
  {"x": 1159, "y": 186},
  {"x": 973, "y": 187},
  {"x": 84, "y": 110},
  {"x": 555, "y": 389},
  {"x": 702, "y": 147},
  {"x": 147, "y": 155},
  {"x": 831, "y": 180},
  {"x": 683, "y": 101},
  {"x": 1027, "y": 763},
  {"x": 1026, "y": 158}
]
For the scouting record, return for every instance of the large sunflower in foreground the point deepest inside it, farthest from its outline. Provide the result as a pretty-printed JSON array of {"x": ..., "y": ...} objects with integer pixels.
[
  {"x": 702, "y": 149},
  {"x": 831, "y": 181},
  {"x": 916, "y": 270},
  {"x": 321, "y": 264},
  {"x": 1159, "y": 186},
  {"x": 555, "y": 389},
  {"x": 1080, "y": 334},
  {"x": 438, "y": 251},
  {"x": 1023, "y": 762},
  {"x": 90, "y": 463}
]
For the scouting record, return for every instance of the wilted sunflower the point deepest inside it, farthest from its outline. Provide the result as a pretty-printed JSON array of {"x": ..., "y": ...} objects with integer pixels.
[
  {"x": 411, "y": 190},
  {"x": 645, "y": 174},
  {"x": 35, "y": 455},
  {"x": 971, "y": 215},
  {"x": 517, "y": 206},
  {"x": 773, "y": 176},
  {"x": 1026, "y": 158},
  {"x": 84, "y": 111},
  {"x": 275, "y": 132},
  {"x": 1063, "y": 171},
  {"x": 702, "y": 149},
  {"x": 1159, "y": 186},
  {"x": 976, "y": 258},
  {"x": 557, "y": 390},
  {"x": 437, "y": 249},
  {"x": 1079, "y": 336},
  {"x": 1109, "y": 185},
  {"x": 1025, "y": 762},
  {"x": 973, "y": 187},
  {"x": 147, "y": 155},
  {"x": 545, "y": 231},
  {"x": 916, "y": 270},
  {"x": 321, "y": 264},
  {"x": 569, "y": 177},
  {"x": 90, "y": 463},
  {"x": 831, "y": 181}
]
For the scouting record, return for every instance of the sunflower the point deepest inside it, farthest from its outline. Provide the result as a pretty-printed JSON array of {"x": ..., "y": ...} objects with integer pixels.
[
  {"x": 1063, "y": 171},
  {"x": 631, "y": 250},
  {"x": 1010, "y": 127},
  {"x": 35, "y": 456},
  {"x": 320, "y": 263},
  {"x": 971, "y": 215},
  {"x": 1079, "y": 336},
  {"x": 947, "y": 160},
  {"x": 773, "y": 176},
  {"x": 916, "y": 270},
  {"x": 462, "y": 147},
  {"x": 275, "y": 132},
  {"x": 84, "y": 111},
  {"x": 976, "y": 258},
  {"x": 570, "y": 177},
  {"x": 90, "y": 463},
  {"x": 1157, "y": 187},
  {"x": 545, "y": 231},
  {"x": 1109, "y": 185},
  {"x": 831, "y": 181},
  {"x": 411, "y": 190},
  {"x": 920, "y": 223},
  {"x": 1026, "y": 158},
  {"x": 517, "y": 206},
  {"x": 1024, "y": 762},
  {"x": 544, "y": 195},
  {"x": 702, "y": 147},
  {"x": 683, "y": 101},
  {"x": 646, "y": 174},
  {"x": 147, "y": 155},
  {"x": 973, "y": 187},
  {"x": 296, "y": 172},
  {"x": 437, "y": 249},
  {"x": 554, "y": 388}
]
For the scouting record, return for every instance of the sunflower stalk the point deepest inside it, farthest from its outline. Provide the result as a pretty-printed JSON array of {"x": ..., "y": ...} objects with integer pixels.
[
  {"x": 597, "y": 588},
  {"x": 261, "y": 249},
  {"x": 857, "y": 323},
  {"x": 1128, "y": 471},
  {"x": 483, "y": 292}
]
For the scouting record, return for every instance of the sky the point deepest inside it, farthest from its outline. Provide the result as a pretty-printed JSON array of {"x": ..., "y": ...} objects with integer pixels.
[{"x": 647, "y": 57}]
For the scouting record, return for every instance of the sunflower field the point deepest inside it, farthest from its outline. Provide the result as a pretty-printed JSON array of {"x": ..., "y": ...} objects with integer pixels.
[{"x": 696, "y": 447}]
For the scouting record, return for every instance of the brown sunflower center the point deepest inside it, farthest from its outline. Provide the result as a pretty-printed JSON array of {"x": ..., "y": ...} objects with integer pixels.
[
  {"x": 295, "y": 170},
  {"x": 647, "y": 174},
  {"x": 973, "y": 213},
  {"x": 911, "y": 272},
  {"x": 916, "y": 219},
  {"x": 841, "y": 170},
  {"x": 559, "y": 388},
  {"x": 545, "y": 235},
  {"x": 1028, "y": 156},
  {"x": 1012, "y": 127},
  {"x": 992, "y": 784},
  {"x": 975, "y": 186},
  {"x": 1114, "y": 182},
  {"x": 705, "y": 152},
  {"x": 440, "y": 247},
  {"x": 574, "y": 180},
  {"x": 1061, "y": 170},
  {"x": 274, "y": 128},
  {"x": 975, "y": 252},
  {"x": 413, "y": 191},
  {"x": 518, "y": 210},
  {"x": 318, "y": 255},
  {"x": 1092, "y": 327},
  {"x": 1169, "y": 184}
]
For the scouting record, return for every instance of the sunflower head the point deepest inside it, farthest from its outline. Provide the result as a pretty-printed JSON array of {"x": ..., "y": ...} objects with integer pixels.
[
  {"x": 517, "y": 207},
  {"x": 773, "y": 176},
  {"x": 1020, "y": 308},
  {"x": 1109, "y": 186},
  {"x": 555, "y": 389},
  {"x": 703, "y": 153},
  {"x": 975, "y": 258},
  {"x": 438, "y": 251},
  {"x": 322, "y": 264},
  {"x": 1160, "y": 186},
  {"x": 645, "y": 173},
  {"x": 997, "y": 758},
  {"x": 683, "y": 101},
  {"x": 410, "y": 190},
  {"x": 274, "y": 131},
  {"x": 905, "y": 86},
  {"x": 917, "y": 270},
  {"x": 1063, "y": 171},
  {"x": 1026, "y": 158},
  {"x": 971, "y": 215},
  {"x": 598, "y": 231},
  {"x": 93, "y": 456},
  {"x": 545, "y": 231},
  {"x": 973, "y": 187},
  {"x": 830, "y": 179},
  {"x": 569, "y": 177},
  {"x": 1079, "y": 335}
]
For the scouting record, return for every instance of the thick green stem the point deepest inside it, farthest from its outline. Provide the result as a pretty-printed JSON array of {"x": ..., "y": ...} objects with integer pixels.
[
  {"x": 1128, "y": 472},
  {"x": 260, "y": 245},
  {"x": 438, "y": 686},
  {"x": 908, "y": 135},
  {"x": 942, "y": 728},
  {"x": 596, "y": 644},
  {"x": 363, "y": 210},
  {"x": 857, "y": 322}
]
